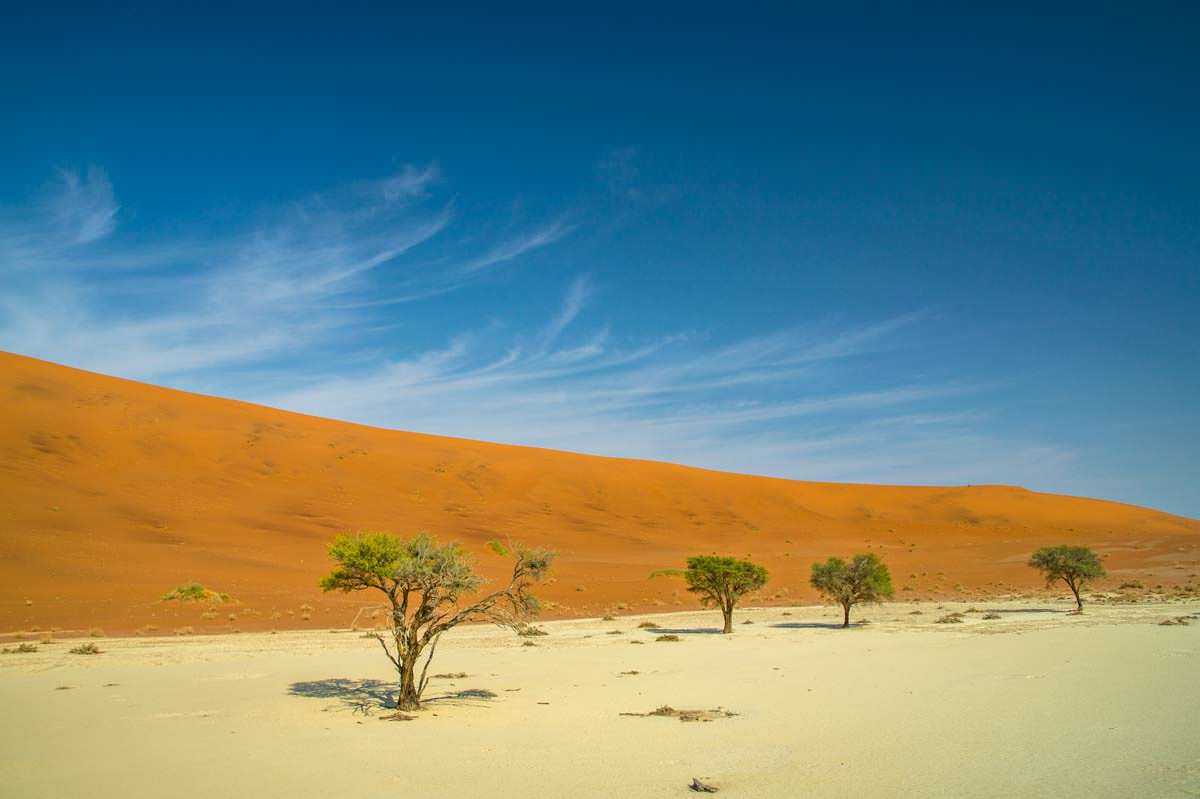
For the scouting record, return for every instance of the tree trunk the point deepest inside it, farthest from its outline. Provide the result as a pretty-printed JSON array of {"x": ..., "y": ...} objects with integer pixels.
[
  {"x": 728, "y": 612},
  {"x": 1078, "y": 601},
  {"x": 845, "y": 616},
  {"x": 409, "y": 698}
]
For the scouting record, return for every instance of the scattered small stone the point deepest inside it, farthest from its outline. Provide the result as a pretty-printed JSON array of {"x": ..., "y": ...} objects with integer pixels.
[
  {"x": 950, "y": 618},
  {"x": 528, "y": 643},
  {"x": 616, "y": 632},
  {"x": 990, "y": 616},
  {"x": 631, "y": 672},
  {"x": 639, "y": 643}
]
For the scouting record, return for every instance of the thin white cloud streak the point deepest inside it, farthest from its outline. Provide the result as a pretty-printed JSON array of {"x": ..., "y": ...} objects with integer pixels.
[
  {"x": 517, "y": 246},
  {"x": 232, "y": 313},
  {"x": 79, "y": 291},
  {"x": 678, "y": 400}
]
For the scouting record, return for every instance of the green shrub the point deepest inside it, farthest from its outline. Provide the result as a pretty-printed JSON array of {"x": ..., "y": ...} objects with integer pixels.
[{"x": 194, "y": 592}]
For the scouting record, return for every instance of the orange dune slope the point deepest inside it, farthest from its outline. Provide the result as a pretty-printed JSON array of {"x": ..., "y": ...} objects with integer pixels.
[{"x": 115, "y": 492}]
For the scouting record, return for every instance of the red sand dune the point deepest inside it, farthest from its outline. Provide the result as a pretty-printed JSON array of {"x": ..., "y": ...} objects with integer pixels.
[{"x": 115, "y": 492}]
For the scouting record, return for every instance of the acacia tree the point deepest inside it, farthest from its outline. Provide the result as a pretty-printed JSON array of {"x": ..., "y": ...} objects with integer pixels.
[
  {"x": 864, "y": 579},
  {"x": 1073, "y": 565},
  {"x": 719, "y": 581},
  {"x": 423, "y": 582}
]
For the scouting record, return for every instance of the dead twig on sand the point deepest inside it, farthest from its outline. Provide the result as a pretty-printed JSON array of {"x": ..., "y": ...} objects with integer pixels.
[
  {"x": 702, "y": 787},
  {"x": 685, "y": 715}
]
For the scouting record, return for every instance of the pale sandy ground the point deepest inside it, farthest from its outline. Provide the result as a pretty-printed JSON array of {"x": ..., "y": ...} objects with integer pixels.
[{"x": 1037, "y": 703}]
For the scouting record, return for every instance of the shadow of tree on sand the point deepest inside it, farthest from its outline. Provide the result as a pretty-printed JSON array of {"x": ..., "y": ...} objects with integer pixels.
[
  {"x": 815, "y": 625},
  {"x": 360, "y": 696},
  {"x": 365, "y": 696}
]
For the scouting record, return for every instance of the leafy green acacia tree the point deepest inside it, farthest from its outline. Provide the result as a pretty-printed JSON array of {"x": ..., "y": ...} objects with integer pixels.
[
  {"x": 1073, "y": 565},
  {"x": 424, "y": 583},
  {"x": 719, "y": 581},
  {"x": 864, "y": 579}
]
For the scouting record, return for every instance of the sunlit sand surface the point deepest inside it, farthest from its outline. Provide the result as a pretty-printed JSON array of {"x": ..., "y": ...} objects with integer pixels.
[{"x": 1034, "y": 703}]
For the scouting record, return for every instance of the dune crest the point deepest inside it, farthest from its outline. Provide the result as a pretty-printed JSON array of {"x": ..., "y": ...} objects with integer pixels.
[{"x": 117, "y": 492}]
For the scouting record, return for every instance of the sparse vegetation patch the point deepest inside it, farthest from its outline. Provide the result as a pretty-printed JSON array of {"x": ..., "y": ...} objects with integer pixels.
[
  {"x": 20, "y": 649},
  {"x": 194, "y": 592}
]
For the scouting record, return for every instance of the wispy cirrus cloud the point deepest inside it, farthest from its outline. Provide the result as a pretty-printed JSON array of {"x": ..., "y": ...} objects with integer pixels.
[
  {"x": 571, "y": 385},
  {"x": 83, "y": 292},
  {"x": 293, "y": 311},
  {"x": 83, "y": 209},
  {"x": 517, "y": 246}
]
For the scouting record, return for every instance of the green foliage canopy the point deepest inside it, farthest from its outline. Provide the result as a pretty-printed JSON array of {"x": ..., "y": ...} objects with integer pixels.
[
  {"x": 719, "y": 581},
  {"x": 424, "y": 583},
  {"x": 864, "y": 579},
  {"x": 1073, "y": 565}
]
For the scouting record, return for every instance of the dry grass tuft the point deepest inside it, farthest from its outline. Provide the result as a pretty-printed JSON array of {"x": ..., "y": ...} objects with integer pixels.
[
  {"x": 19, "y": 649},
  {"x": 666, "y": 711}
]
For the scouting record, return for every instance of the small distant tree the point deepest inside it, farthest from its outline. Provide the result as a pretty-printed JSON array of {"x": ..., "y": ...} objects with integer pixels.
[
  {"x": 865, "y": 579},
  {"x": 1073, "y": 565},
  {"x": 423, "y": 583},
  {"x": 720, "y": 582}
]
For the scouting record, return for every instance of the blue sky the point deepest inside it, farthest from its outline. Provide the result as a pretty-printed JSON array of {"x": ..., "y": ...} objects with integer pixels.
[{"x": 947, "y": 247}]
